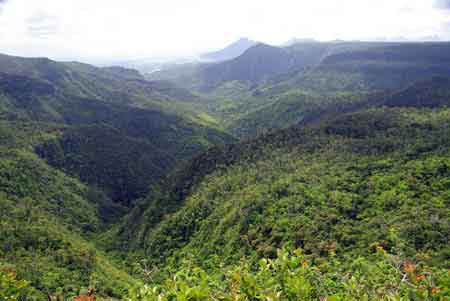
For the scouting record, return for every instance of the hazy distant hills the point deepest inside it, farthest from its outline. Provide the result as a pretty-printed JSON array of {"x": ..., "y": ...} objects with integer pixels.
[
  {"x": 269, "y": 87},
  {"x": 259, "y": 62},
  {"x": 264, "y": 62}
]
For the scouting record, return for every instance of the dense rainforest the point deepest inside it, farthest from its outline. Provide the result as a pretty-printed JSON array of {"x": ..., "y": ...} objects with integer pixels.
[{"x": 315, "y": 171}]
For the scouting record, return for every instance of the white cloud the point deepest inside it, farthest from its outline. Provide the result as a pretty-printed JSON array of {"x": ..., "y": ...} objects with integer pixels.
[
  {"x": 40, "y": 25},
  {"x": 107, "y": 29}
]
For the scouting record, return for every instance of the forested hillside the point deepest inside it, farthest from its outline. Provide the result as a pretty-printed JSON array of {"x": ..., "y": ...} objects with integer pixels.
[
  {"x": 100, "y": 110},
  {"x": 317, "y": 171},
  {"x": 358, "y": 184},
  {"x": 357, "y": 149},
  {"x": 79, "y": 145},
  {"x": 48, "y": 223}
]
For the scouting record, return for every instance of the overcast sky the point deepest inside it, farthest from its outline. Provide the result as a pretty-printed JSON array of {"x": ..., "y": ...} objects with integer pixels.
[{"x": 93, "y": 30}]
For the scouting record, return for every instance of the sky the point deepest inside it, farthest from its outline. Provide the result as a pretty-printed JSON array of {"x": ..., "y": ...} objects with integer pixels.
[{"x": 102, "y": 30}]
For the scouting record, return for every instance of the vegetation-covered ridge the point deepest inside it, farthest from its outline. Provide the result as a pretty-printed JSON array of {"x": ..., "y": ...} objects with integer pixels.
[
  {"x": 48, "y": 222},
  {"x": 106, "y": 116},
  {"x": 367, "y": 179}
]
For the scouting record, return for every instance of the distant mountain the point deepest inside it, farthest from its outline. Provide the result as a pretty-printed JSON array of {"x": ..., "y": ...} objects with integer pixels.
[
  {"x": 262, "y": 62},
  {"x": 231, "y": 51},
  {"x": 258, "y": 63}
]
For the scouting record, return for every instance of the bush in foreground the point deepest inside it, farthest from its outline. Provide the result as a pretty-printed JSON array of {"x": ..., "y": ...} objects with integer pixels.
[{"x": 291, "y": 276}]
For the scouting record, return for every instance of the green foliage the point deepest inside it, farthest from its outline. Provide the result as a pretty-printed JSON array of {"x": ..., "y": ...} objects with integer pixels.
[
  {"x": 24, "y": 176},
  {"x": 100, "y": 156},
  {"x": 47, "y": 221},
  {"x": 379, "y": 177},
  {"x": 51, "y": 258},
  {"x": 12, "y": 288},
  {"x": 109, "y": 128},
  {"x": 291, "y": 276},
  {"x": 293, "y": 107},
  {"x": 100, "y": 118},
  {"x": 429, "y": 94}
]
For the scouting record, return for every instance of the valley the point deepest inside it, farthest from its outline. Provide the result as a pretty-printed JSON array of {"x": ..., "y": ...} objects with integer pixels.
[{"x": 314, "y": 171}]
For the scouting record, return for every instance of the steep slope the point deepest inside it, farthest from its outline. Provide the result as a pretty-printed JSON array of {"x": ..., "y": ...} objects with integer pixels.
[
  {"x": 261, "y": 62},
  {"x": 111, "y": 111},
  {"x": 366, "y": 179},
  {"x": 100, "y": 156},
  {"x": 253, "y": 65},
  {"x": 48, "y": 222}
]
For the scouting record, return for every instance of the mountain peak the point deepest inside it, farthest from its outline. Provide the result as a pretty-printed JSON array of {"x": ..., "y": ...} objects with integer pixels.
[
  {"x": 231, "y": 51},
  {"x": 262, "y": 49}
]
